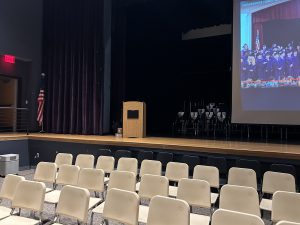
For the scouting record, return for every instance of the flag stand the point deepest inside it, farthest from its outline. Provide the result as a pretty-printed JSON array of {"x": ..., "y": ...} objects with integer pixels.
[{"x": 42, "y": 130}]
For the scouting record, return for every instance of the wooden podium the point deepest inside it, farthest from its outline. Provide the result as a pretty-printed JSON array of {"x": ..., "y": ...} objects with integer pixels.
[{"x": 134, "y": 119}]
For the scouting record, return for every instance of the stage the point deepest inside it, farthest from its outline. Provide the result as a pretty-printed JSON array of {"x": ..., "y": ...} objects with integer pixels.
[{"x": 269, "y": 150}]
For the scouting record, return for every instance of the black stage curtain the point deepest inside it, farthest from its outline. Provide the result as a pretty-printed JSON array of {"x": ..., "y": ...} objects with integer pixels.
[{"x": 73, "y": 63}]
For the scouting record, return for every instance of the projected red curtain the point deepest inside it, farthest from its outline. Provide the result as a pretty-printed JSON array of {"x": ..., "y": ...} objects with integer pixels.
[{"x": 284, "y": 11}]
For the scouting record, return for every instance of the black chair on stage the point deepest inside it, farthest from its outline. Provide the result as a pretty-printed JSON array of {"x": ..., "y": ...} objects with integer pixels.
[
  {"x": 221, "y": 164},
  {"x": 164, "y": 158},
  {"x": 104, "y": 152},
  {"x": 191, "y": 160},
  {"x": 284, "y": 168},
  {"x": 251, "y": 164},
  {"x": 145, "y": 155},
  {"x": 120, "y": 154}
]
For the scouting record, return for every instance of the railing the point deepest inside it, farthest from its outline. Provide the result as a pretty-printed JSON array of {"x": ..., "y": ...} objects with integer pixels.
[{"x": 14, "y": 119}]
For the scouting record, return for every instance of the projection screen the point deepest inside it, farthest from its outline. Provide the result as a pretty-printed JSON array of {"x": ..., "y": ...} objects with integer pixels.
[{"x": 266, "y": 62}]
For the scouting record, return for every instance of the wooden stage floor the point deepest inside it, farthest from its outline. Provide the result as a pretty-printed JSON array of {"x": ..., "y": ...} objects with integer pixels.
[{"x": 270, "y": 150}]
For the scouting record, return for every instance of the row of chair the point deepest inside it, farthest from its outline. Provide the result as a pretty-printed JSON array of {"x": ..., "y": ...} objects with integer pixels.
[{"x": 83, "y": 160}]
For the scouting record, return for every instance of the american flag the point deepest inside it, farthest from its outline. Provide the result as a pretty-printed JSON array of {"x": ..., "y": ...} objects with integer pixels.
[
  {"x": 41, "y": 102},
  {"x": 257, "y": 42}
]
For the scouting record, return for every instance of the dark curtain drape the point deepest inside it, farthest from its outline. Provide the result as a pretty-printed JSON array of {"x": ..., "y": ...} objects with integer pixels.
[
  {"x": 284, "y": 11},
  {"x": 73, "y": 63},
  {"x": 118, "y": 70}
]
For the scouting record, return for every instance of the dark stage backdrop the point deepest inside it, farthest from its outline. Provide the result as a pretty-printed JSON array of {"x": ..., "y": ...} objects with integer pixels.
[
  {"x": 152, "y": 63},
  {"x": 73, "y": 63}
]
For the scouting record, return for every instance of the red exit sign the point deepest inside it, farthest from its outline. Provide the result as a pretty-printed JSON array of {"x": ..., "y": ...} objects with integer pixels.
[{"x": 9, "y": 59}]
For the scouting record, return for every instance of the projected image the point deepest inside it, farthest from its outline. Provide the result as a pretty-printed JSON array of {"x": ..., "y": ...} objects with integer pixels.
[{"x": 270, "y": 43}]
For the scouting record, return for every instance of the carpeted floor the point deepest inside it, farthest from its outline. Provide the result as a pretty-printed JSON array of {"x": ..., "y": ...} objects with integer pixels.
[{"x": 49, "y": 211}]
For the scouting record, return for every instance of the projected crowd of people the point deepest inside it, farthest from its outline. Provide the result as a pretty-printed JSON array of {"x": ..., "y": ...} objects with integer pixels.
[{"x": 270, "y": 66}]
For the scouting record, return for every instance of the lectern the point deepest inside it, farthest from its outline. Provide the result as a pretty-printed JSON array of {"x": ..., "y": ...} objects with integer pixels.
[{"x": 134, "y": 119}]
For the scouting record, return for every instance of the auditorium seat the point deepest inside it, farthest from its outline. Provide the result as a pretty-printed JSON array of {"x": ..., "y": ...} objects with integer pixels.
[
  {"x": 250, "y": 164},
  {"x": 107, "y": 164},
  {"x": 93, "y": 180},
  {"x": 164, "y": 158},
  {"x": 104, "y": 152},
  {"x": 274, "y": 181},
  {"x": 240, "y": 199},
  {"x": 284, "y": 168},
  {"x": 123, "y": 180},
  {"x": 69, "y": 197},
  {"x": 191, "y": 161},
  {"x": 63, "y": 158},
  {"x": 152, "y": 167},
  {"x": 242, "y": 177},
  {"x": 287, "y": 223},
  {"x": 128, "y": 164},
  {"x": 197, "y": 194},
  {"x": 67, "y": 175},
  {"x": 29, "y": 195},
  {"x": 211, "y": 175},
  {"x": 121, "y": 206},
  {"x": 174, "y": 172},
  {"x": 46, "y": 172},
  {"x": 285, "y": 206},
  {"x": 121, "y": 154},
  {"x": 227, "y": 217},
  {"x": 143, "y": 155},
  {"x": 167, "y": 211},
  {"x": 7, "y": 192},
  {"x": 85, "y": 161},
  {"x": 151, "y": 185}
]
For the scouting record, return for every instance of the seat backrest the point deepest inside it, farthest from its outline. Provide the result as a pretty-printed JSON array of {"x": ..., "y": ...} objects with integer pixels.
[
  {"x": 74, "y": 203},
  {"x": 194, "y": 192},
  {"x": 29, "y": 195},
  {"x": 240, "y": 199},
  {"x": 91, "y": 179},
  {"x": 104, "y": 152},
  {"x": 274, "y": 181},
  {"x": 9, "y": 186},
  {"x": 85, "y": 161},
  {"x": 285, "y": 206},
  {"x": 242, "y": 177},
  {"x": 145, "y": 155},
  {"x": 123, "y": 180},
  {"x": 166, "y": 211},
  {"x": 152, "y": 185},
  {"x": 45, "y": 172},
  {"x": 250, "y": 164},
  {"x": 121, "y": 206},
  {"x": 150, "y": 167},
  {"x": 283, "y": 168},
  {"x": 191, "y": 160},
  {"x": 106, "y": 163},
  {"x": 68, "y": 174},
  {"x": 176, "y": 171},
  {"x": 63, "y": 158},
  {"x": 128, "y": 164},
  {"x": 227, "y": 217},
  {"x": 122, "y": 153},
  {"x": 207, "y": 173},
  {"x": 219, "y": 162},
  {"x": 287, "y": 223},
  {"x": 164, "y": 157}
]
